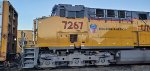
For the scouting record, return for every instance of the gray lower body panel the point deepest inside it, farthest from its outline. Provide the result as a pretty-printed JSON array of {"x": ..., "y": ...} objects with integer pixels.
[{"x": 133, "y": 56}]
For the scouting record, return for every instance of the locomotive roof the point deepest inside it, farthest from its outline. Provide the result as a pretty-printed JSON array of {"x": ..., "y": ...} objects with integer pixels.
[{"x": 82, "y": 6}]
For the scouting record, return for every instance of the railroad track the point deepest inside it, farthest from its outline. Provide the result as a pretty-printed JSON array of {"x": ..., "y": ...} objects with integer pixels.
[{"x": 93, "y": 68}]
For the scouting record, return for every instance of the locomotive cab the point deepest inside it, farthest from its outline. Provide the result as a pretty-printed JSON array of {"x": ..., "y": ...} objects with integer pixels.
[{"x": 69, "y": 28}]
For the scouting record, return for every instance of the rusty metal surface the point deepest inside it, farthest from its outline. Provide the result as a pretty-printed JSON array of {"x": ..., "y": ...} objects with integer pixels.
[{"x": 9, "y": 30}]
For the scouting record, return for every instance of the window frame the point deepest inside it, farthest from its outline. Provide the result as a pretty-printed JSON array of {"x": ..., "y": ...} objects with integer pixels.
[
  {"x": 80, "y": 13},
  {"x": 107, "y": 13},
  {"x": 104, "y": 13},
  {"x": 124, "y": 14},
  {"x": 64, "y": 12},
  {"x": 75, "y": 15},
  {"x": 142, "y": 18},
  {"x": 68, "y": 16}
]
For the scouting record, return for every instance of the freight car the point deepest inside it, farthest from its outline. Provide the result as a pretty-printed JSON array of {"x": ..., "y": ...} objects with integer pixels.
[
  {"x": 8, "y": 33},
  {"x": 82, "y": 36}
]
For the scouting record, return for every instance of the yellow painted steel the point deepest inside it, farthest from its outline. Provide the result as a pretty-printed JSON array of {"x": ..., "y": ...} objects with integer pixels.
[
  {"x": 51, "y": 32},
  {"x": 28, "y": 37},
  {"x": 4, "y": 31},
  {"x": 9, "y": 30}
]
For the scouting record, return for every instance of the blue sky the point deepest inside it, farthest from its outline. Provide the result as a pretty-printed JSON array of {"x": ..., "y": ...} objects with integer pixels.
[{"x": 31, "y": 9}]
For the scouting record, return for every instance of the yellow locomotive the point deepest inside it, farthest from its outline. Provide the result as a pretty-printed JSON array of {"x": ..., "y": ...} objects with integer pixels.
[{"x": 83, "y": 36}]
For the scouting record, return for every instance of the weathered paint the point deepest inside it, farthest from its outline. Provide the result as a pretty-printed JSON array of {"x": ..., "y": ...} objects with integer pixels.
[{"x": 9, "y": 30}]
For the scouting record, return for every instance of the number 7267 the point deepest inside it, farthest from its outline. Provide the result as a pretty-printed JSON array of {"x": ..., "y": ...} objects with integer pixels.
[{"x": 72, "y": 25}]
